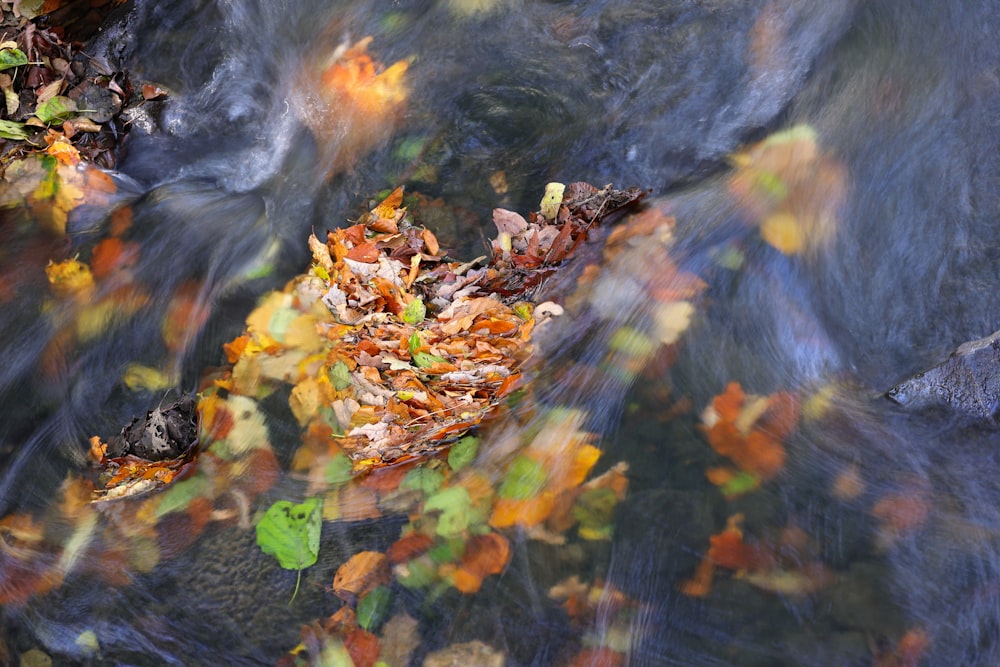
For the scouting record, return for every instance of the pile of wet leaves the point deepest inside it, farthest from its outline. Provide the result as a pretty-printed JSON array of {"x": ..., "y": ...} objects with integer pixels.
[{"x": 50, "y": 83}]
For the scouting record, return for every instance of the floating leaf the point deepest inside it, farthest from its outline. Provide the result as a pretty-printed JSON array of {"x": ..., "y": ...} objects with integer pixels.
[
  {"x": 361, "y": 574},
  {"x": 56, "y": 109},
  {"x": 290, "y": 533}
]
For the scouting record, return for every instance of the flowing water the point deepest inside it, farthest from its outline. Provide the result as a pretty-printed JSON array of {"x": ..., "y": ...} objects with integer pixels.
[{"x": 877, "y": 542}]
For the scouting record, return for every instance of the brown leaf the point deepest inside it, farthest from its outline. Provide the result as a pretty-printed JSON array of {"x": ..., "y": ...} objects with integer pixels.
[{"x": 362, "y": 573}]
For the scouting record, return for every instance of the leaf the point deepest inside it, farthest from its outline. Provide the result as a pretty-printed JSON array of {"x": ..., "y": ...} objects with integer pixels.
[
  {"x": 340, "y": 376},
  {"x": 374, "y": 607},
  {"x": 551, "y": 200},
  {"x": 290, "y": 532},
  {"x": 57, "y": 109},
  {"x": 455, "y": 506},
  {"x": 463, "y": 452},
  {"x": 11, "y": 57},
  {"x": 485, "y": 555},
  {"x": 594, "y": 510},
  {"x": 360, "y": 574},
  {"x": 339, "y": 470},
  {"x": 11, "y": 130},
  {"x": 525, "y": 478},
  {"x": 426, "y": 359},
  {"x": 425, "y": 480},
  {"x": 180, "y": 494},
  {"x": 415, "y": 311}
]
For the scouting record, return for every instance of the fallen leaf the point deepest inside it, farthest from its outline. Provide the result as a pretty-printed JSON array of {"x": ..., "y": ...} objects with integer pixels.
[{"x": 362, "y": 573}]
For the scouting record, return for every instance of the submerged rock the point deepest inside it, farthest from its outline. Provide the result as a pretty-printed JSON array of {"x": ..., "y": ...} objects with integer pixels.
[{"x": 967, "y": 383}]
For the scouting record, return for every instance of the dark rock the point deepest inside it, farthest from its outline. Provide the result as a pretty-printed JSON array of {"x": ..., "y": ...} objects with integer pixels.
[
  {"x": 967, "y": 383},
  {"x": 163, "y": 433}
]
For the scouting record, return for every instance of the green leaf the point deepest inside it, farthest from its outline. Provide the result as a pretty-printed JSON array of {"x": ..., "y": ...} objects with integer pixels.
[
  {"x": 11, "y": 130},
  {"x": 525, "y": 479},
  {"x": 455, "y": 506},
  {"x": 415, "y": 312},
  {"x": 278, "y": 324},
  {"x": 463, "y": 452},
  {"x": 418, "y": 573},
  {"x": 632, "y": 342},
  {"x": 743, "y": 482},
  {"x": 12, "y": 58},
  {"x": 180, "y": 494},
  {"x": 425, "y": 480},
  {"x": 340, "y": 376},
  {"x": 339, "y": 470},
  {"x": 374, "y": 607},
  {"x": 426, "y": 359},
  {"x": 414, "y": 342},
  {"x": 290, "y": 532},
  {"x": 595, "y": 510},
  {"x": 55, "y": 109},
  {"x": 448, "y": 551}
]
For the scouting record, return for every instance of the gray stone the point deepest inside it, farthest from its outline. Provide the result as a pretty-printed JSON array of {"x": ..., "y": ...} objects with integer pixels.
[{"x": 967, "y": 383}]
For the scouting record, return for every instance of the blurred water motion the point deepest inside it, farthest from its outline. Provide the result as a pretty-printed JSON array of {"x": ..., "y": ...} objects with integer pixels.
[{"x": 822, "y": 227}]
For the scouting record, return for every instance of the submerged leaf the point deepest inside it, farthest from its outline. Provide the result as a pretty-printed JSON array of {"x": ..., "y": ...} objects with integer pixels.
[{"x": 525, "y": 479}]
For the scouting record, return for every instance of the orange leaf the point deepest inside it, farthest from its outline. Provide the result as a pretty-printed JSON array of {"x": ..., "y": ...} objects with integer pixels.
[
  {"x": 112, "y": 254},
  {"x": 700, "y": 583},
  {"x": 484, "y": 555},
  {"x": 362, "y": 646},
  {"x": 728, "y": 550},
  {"x": 187, "y": 313},
  {"x": 408, "y": 547},
  {"x": 763, "y": 455},
  {"x": 362, "y": 573},
  {"x": 729, "y": 403},
  {"x": 600, "y": 656},
  {"x": 365, "y": 252},
  {"x": 387, "y": 207},
  {"x": 527, "y": 513}
]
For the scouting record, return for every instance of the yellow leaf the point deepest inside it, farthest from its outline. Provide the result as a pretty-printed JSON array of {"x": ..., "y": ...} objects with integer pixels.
[
  {"x": 672, "y": 319},
  {"x": 138, "y": 377},
  {"x": 551, "y": 200},
  {"x": 782, "y": 231},
  {"x": 70, "y": 277}
]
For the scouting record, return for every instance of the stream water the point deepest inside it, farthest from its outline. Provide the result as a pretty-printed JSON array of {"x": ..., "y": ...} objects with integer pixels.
[{"x": 881, "y": 529}]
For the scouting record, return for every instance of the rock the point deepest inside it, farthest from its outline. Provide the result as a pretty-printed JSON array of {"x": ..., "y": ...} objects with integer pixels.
[
  {"x": 469, "y": 653},
  {"x": 967, "y": 383}
]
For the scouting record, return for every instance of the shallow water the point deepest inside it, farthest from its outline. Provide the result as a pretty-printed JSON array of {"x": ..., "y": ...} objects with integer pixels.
[{"x": 879, "y": 531}]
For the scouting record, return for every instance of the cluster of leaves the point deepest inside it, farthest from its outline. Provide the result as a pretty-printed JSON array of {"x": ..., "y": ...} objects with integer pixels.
[
  {"x": 48, "y": 83},
  {"x": 792, "y": 189},
  {"x": 748, "y": 430}
]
